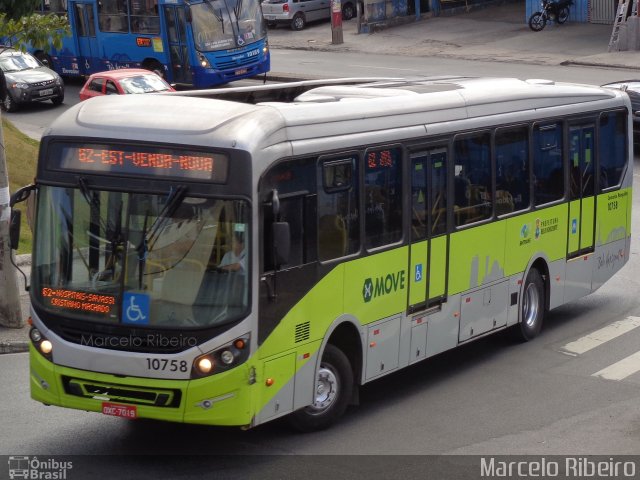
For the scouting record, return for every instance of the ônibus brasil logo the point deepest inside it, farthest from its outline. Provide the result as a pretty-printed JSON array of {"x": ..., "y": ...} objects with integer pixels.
[{"x": 384, "y": 285}]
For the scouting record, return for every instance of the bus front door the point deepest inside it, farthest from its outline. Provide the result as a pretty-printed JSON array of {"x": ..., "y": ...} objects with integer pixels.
[
  {"x": 582, "y": 188},
  {"x": 429, "y": 246},
  {"x": 84, "y": 23},
  {"x": 175, "y": 22}
]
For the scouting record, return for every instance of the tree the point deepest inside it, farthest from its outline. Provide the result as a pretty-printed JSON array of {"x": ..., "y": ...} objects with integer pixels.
[
  {"x": 39, "y": 31},
  {"x": 16, "y": 9}
]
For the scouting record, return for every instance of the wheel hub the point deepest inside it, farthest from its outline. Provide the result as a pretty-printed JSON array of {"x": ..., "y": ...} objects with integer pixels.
[{"x": 326, "y": 389}]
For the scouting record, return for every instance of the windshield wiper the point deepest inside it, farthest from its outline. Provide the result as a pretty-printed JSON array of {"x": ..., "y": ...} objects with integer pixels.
[{"x": 173, "y": 202}]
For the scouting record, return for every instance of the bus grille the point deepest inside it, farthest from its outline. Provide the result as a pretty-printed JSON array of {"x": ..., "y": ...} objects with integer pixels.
[
  {"x": 122, "y": 393},
  {"x": 233, "y": 61}
]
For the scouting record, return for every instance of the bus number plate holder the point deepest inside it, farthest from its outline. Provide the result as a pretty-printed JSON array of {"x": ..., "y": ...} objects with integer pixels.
[
  {"x": 118, "y": 410},
  {"x": 242, "y": 71}
]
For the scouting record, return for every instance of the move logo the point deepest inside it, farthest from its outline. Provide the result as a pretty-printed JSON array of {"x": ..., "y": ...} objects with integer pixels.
[{"x": 384, "y": 285}]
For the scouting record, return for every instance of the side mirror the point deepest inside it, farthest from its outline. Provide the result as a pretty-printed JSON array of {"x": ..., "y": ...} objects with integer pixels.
[
  {"x": 21, "y": 194},
  {"x": 281, "y": 242},
  {"x": 14, "y": 229}
]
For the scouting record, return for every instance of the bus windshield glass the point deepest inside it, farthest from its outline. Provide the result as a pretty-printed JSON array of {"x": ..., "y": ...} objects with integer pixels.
[
  {"x": 144, "y": 260},
  {"x": 225, "y": 24}
]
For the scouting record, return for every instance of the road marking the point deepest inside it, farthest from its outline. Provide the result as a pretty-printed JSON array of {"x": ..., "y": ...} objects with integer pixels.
[
  {"x": 601, "y": 336},
  {"x": 622, "y": 369}
]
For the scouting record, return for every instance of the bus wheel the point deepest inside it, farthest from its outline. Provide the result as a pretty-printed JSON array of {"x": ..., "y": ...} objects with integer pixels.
[
  {"x": 334, "y": 386},
  {"x": 532, "y": 307},
  {"x": 155, "y": 66}
]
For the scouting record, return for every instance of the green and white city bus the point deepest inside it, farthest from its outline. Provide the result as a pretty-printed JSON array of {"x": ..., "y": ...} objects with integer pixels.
[{"x": 210, "y": 261}]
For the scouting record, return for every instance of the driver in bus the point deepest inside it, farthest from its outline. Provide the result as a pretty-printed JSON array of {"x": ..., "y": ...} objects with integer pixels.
[{"x": 235, "y": 259}]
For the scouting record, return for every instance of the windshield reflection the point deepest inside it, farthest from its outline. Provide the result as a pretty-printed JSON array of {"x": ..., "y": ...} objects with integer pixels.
[
  {"x": 141, "y": 259},
  {"x": 220, "y": 24}
]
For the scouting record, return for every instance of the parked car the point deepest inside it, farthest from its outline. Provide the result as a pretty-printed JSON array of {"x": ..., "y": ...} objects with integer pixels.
[
  {"x": 632, "y": 87},
  {"x": 24, "y": 79},
  {"x": 122, "y": 82},
  {"x": 296, "y": 13}
]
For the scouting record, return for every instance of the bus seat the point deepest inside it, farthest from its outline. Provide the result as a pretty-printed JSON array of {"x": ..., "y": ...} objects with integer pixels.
[{"x": 332, "y": 236}]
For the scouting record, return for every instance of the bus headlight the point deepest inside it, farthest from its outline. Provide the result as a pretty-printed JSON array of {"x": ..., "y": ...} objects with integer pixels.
[
  {"x": 203, "y": 61},
  {"x": 222, "y": 359},
  {"x": 44, "y": 346}
]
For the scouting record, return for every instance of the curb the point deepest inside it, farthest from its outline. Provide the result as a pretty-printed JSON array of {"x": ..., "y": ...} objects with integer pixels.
[{"x": 14, "y": 347}]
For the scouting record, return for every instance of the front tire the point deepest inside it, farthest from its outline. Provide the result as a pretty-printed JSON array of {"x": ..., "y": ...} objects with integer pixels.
[
  {"x": 532, "y": 307},
  {"x": 334, "y": 387},
  {"x": 58, "y": 100},
  {"x": 563, "y": 15},
  {"x": 9, "y": 104},
  {"x": 537, "y": 22}
]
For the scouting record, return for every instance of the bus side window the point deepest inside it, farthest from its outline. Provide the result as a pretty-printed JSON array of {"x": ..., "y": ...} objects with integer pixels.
[
  {"x": 383, "y": 197},
  {"x": 613, "y": 151},
  {"x": 295, "y": 181},
  {"x": 472, "y": 179},
  {"x": 512, "y": 174},
  {"x": 338, "y": 225},
  {"x": 548, "y": 172}
]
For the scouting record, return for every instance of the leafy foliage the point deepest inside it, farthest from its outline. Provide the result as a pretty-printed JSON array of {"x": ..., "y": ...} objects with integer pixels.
[
  {"x": 39, "y": 31},
  {"x": 19, "y": 8}
]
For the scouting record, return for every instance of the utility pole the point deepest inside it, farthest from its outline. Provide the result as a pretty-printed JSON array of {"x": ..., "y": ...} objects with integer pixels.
[{"x": 10, "y": 314}]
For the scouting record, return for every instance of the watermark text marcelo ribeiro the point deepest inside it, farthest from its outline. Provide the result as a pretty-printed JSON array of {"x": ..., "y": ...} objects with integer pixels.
[{"x": 561, "y": 467}]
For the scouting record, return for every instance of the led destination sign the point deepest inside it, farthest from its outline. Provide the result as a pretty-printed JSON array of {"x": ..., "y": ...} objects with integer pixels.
[{"x": 131, "y": 160}]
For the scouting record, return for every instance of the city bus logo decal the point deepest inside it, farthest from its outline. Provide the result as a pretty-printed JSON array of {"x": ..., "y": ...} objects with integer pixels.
[{"x": 384, "y": 285}]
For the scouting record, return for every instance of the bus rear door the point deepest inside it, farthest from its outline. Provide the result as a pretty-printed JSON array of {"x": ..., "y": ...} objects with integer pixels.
[
  {"x": 582, "y": 190},
  {"x": 429, "y": 247},
  {"x": 175, "y": 21},
  {"x": 85, "y": 27}
]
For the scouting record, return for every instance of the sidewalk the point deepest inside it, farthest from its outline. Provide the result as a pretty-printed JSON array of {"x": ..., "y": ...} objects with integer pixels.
[{"x": 494, "y": 33}]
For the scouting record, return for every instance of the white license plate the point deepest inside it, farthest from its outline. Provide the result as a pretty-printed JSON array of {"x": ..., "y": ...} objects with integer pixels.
[
  {"x": 48, "y": 91},
  {"x": 269, "y": 17}
]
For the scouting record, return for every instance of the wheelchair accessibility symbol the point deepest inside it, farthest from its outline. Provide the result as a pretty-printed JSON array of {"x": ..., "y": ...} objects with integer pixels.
[{"x": 135, "y": 308}]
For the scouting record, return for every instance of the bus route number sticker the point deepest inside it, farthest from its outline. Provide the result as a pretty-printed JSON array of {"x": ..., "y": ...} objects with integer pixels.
[{"x": 117, "y": 410}]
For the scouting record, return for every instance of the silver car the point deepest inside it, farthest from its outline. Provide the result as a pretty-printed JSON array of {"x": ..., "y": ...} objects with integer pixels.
[{"x": 297, "y": 13}]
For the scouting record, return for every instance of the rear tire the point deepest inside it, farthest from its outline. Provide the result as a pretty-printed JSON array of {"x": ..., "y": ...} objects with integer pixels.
[
  {"x": 298, "y": 22},
  {"x": 334, "y": 387},
  {"x": 537, "y": 22},
  {"x": 348, "y": 11},
  {"x": 532, "y": 307},
  {"x": 563, "y": 15}
]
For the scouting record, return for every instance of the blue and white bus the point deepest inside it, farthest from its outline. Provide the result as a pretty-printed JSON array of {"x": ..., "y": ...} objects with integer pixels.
[{"x": 197, "y": 42}]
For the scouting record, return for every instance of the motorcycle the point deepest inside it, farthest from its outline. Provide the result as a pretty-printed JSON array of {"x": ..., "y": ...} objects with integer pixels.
[{"x": 551, "y": 11}]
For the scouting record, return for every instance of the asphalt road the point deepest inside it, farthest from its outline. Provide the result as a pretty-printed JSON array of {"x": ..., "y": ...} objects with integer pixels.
[{"x": 489, "y": 397}]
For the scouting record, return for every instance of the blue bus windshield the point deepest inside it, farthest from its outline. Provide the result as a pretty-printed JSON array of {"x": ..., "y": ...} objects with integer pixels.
[{"x": 225, "y": 24}]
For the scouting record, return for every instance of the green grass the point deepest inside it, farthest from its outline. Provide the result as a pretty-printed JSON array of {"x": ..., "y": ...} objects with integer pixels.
[{"x": 22, "y": 157}]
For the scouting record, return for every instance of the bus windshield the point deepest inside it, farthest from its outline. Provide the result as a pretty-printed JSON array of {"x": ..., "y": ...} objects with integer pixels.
[
  {"x": 141, "y": 259},
  {"x": 224, "y": 24}
]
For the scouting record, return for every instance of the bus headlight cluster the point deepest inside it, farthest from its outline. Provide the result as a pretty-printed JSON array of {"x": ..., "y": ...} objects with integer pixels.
[
  {"x": 222, "y": 359},
  {"x": 43, "y": 345},
  {"x": 203, "y": 61}
]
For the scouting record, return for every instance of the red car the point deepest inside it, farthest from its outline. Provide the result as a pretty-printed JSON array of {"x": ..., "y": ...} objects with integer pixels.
[{"x": 123, "y": 81}]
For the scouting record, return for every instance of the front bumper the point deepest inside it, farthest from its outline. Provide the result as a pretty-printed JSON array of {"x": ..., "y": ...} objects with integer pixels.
[
  {"x": 28, "y": 95},
  {"x": 223, "y": 399}
]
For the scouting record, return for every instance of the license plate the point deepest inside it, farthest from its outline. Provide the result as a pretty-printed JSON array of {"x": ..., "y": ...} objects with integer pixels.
[
  {"x": 117, "y": 410},
  {"x": 242, "y": 71},
  {"x": 48, "y": 91},
  {"x": 269, "y": 17}
]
